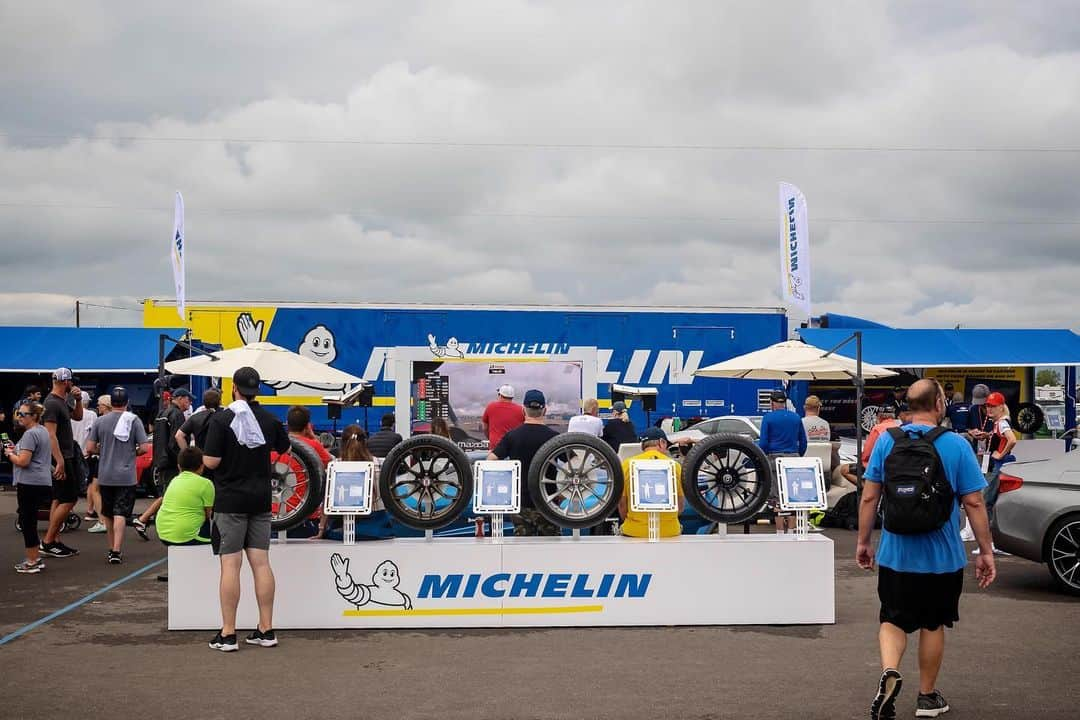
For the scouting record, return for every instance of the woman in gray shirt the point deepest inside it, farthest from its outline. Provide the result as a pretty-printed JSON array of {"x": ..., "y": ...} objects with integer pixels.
[{"x": 33, "y": 479}]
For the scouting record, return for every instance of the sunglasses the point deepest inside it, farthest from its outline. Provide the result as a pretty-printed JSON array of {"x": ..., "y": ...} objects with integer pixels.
[{"x": 20, "y": 413}]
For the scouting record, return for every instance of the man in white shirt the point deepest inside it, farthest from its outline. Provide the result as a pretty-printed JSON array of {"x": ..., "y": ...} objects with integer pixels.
[
  {"x": 589, "y": 421},
  {"x": 817, "y": 428}
]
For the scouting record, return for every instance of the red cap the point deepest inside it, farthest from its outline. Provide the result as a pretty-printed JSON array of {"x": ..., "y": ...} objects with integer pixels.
[{"x": 995, "y": 398}]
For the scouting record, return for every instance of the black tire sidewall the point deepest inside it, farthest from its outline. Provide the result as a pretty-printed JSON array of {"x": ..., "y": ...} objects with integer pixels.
[
  {"x": 1040, "y": 418},
  {"x": 1055, "y": 528},
  {"x": 692, "y": 466},
  {"x": 461, "y": 466},
  {"x": 316, "y": 482},
  {"x": 554, "y": 446}
]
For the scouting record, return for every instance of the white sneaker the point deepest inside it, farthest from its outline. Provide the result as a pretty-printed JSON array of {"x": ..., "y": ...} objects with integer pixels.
[
  {"x": 98, "y": 527},
  {"x": 999, "y": 553},
  {"x": 967, "y": 534}
]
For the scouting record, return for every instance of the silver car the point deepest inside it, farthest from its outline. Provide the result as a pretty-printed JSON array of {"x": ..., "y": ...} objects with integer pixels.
[{"x": 1038, "y": 515}]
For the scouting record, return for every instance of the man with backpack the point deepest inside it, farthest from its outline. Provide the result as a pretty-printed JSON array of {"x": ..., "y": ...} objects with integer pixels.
[{"x": 918, "y": 471}]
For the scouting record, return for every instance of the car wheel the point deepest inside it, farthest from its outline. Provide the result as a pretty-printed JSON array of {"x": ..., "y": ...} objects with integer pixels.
[
  {"x": 1063, "y": 553},
  {"x": 1029, "y": 418},
  {"x": 426, "y": 482},
  {"x": 575, "y": 480},
  {"x": 297, "y": 483},
  {"x": 869, "y": 417},
  {"x": 726, "y": 478}
]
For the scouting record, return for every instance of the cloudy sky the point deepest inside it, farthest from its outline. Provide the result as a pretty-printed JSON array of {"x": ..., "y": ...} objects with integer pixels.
[{"x": 564, "y": 152}]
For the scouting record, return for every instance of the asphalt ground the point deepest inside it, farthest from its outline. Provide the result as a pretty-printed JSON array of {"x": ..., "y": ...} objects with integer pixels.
[{"x": 1015, "y": 654}]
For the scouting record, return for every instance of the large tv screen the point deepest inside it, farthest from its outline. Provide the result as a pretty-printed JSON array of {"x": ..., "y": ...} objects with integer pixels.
[{"x": 459, "y": 391}]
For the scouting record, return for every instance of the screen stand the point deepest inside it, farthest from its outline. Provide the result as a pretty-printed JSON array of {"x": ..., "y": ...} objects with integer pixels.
[
  {"x": 654, "y": 527},
  {"x": 575, "y": 533},
  {"x": 721, "y": 529},
  {"x": 429, "y": 535},
  {"x": 348, "y": 530},
  {"x": 281, "y": 536},
  {"x": 497, "y": 528},
  {"x": 802, "y": 523}
]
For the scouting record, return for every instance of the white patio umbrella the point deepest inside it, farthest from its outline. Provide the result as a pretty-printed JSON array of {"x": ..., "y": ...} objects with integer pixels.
[
  {"x": 792, "y": 360},
  {"x": 274, "y": 364}
]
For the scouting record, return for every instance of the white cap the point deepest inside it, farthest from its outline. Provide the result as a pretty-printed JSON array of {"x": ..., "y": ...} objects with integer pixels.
[{"x": 507, "y": 391}]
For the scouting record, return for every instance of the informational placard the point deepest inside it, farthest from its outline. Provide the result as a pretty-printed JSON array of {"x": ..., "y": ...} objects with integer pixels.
[
  {"x": 349, "y": 487},
  {"x": 652, "y": 486},
  {"x": 802, "y": 483},
  {"x": 496, "y": 487},
  {"x": 1055, "y": 419}
]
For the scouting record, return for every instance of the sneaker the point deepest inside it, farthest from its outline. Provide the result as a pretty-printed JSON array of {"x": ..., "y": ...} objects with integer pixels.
[
  {"x": 999, "y": 553},
  {"x": 140, "y": 527},
  {"x": 224, "y": 643},
  {"x": 931, "y": 705},
  {"x": 57, "y": 550},
  {"x": 30, "y": 568},
  {"x": 967, "y": 534},
  {"x": 266, "y": 639},
  {"x": 98, "y": 527},
  {"x": 90, "y": 516},
  {"x": 884, "y": 705},
  {"x": 115, "y": 558}
]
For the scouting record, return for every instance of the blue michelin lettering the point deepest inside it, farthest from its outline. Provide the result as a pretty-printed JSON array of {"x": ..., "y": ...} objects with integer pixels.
[
  {"x": 793, "y": 238},
  {"x": 470, "y": 586},
  {"x": 490, "y": 587},
  {"x": 437, "y": 586},
  {"x": 581, "y": 587},
  {"x": 531, "y": 585},
  {"x": 556, "y": 585},
  {"x": 634, "y": 586},
  {"x": 605, "y": 586},
  {"x": 526, "y": 585}
]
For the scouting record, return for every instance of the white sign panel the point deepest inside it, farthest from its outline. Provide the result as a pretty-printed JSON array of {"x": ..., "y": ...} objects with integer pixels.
[
  {"x": 496, "y": 487},
  {"x": 652, "y": 486},
  {"x": 349, "y": 487},
  {"x": 802, "y": 483}
]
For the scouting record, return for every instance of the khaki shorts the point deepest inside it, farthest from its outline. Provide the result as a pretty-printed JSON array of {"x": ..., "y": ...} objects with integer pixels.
[{"x": 232, "y": 532}]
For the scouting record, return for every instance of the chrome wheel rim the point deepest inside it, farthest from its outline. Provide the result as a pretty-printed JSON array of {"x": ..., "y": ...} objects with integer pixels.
[
  {"x": 1065, "y": 554},
  {"x": 576, "y": 483}
]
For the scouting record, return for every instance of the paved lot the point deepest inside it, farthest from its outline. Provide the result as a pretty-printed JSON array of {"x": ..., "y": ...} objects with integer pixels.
[{"x": 1015, "y": 654}]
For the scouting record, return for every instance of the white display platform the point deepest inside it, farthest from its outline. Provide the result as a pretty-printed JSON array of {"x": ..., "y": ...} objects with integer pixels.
[{"x": 763, "y": 579}]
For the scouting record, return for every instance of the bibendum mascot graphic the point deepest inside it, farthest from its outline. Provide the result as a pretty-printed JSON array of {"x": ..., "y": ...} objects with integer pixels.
[
  {"x": 383, "y": 590},
  {"x": 318, "y": 344},
  {"x": 452, "y": 348}
]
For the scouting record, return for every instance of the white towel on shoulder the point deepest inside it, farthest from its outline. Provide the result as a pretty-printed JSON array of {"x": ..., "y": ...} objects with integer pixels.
[
  {"x": 122, "y": 431},
  {"x": 245, "y": 425}
]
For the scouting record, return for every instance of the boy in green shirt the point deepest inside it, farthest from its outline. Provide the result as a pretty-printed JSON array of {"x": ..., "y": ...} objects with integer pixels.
[{"x": 184, "y": 517}]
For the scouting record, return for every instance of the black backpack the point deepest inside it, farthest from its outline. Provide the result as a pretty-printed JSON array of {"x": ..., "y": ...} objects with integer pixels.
[{"x": 916, "y": 495}]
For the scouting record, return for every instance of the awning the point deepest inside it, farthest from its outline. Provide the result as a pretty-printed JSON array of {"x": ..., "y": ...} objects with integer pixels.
[
  {"x": 84, "y": 350},
  {"x": 954, "y": 348}
]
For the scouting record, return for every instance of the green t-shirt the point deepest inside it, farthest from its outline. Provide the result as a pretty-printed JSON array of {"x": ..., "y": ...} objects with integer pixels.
[{"x": 182, "y": 510}]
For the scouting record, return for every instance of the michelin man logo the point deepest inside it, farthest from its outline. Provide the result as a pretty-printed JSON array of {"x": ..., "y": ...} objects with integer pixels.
[
  {"x": 382, "y": 590},
  {"x": 318, "y": 344},
  {"x": 451, "y": 349}
]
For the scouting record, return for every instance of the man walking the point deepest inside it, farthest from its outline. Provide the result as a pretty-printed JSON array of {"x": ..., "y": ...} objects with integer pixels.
[
  {"x": 920, "y": 574},
  {"x": 501, "y": 416},
  {"x": 117, "y": 437},
  {"x": 238, "y": 447},
  {"x": 782, "y": 435},
  {"x": 59, "y": 412}
]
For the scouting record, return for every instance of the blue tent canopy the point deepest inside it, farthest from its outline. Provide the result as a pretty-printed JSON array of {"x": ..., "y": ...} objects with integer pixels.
[
  {"x": 43, "y": 349},
  {"x": 954, "y": 348}
]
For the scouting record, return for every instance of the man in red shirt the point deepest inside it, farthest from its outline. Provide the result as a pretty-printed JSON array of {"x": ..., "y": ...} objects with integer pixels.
[
  {"x": 299, "y": 423},
  {"x": 502, "y": 415},
  {"x": 886, "y": 419}
]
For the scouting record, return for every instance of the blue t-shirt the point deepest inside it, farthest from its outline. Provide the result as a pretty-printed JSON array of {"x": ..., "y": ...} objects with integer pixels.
[
  {"x": 940, "y": 551},
  {"x": 782, "y": 431}
]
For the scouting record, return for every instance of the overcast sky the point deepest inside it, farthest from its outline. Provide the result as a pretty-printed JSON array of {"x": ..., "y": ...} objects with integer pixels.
[{"x": 109, "y": 107}]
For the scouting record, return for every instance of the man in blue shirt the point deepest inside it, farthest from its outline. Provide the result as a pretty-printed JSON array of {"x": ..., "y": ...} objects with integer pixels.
[
  {"x": 782, "y": 435},
  {"x": 920, "y": 576}
]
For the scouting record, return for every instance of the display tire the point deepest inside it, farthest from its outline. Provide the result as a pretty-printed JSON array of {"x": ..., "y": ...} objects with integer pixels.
[
  {"x": 744, "y": 479},
  {"x": 1029, "y": 417},
  {"x": 552, "y": 458},
  {"x": 71, "y": 523},
  {"x": 1063, "y": 553},
  {"x": 417, "y": 470},
  {"x": 302, "y": 468}
]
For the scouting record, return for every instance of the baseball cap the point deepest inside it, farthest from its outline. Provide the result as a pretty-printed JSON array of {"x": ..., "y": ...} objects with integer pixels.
[
  {"x": 118, "y": 397},
  {"x": 246, "y": 380},
  {"x": 888, "y": 408},
  {"x": 654, "y": 433},
  {"x": 533, "y": 399},
  {"x": 995, "y": 399},
  {"x": 181, "y": 392},
  {"x": 618, "y": 406},
  {"x": 62, "y": 374},
  {"x": 507, "y": 391},
  {"x": 979, "y": 393},
  {"x": 778, "y": 396}
]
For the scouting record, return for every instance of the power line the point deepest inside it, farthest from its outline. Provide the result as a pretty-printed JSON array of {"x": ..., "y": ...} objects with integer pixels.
[
  {"x": 371, "y": 214},
  {"x": 706, "y": 147}
]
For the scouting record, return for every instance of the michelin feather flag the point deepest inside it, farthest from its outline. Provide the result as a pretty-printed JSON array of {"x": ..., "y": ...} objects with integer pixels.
[
  {"x": 177, "y": 254},
  {"x": 794, "y": 248}
]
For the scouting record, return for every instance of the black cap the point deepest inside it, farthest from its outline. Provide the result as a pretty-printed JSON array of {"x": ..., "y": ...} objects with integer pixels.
[
  {"x": 534, "y": 399},
  {"x": 181, "y": 392},
  {"x": 887, "y": 408},
  {"x": 118, "y": 397},
  {"x": 247, "y": 380},
  {"x": 778, "y": 396},
  {"x": 654, "y": 433}
]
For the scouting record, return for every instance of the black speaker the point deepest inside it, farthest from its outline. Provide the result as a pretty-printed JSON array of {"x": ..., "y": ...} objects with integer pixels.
[
  {"x": 333, "y": 411},
  {"x": 648, "y": 402},
  {"x": 365, "y": 398}
]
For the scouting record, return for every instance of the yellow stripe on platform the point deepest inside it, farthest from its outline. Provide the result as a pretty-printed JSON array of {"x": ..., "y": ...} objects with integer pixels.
[{"x": 428, "y": 612}]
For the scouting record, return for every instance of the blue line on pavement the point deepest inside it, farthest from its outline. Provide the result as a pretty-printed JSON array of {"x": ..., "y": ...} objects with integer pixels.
[{"x": 37, "y": 623}]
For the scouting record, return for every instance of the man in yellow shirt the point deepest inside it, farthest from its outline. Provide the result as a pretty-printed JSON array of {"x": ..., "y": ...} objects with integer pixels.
[{"x": 654, "y": 446}]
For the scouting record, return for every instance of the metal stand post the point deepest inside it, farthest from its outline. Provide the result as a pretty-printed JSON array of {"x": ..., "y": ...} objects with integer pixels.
[
  {"x": 497, "y": 528},
  {"x": 575, "y": 533},
  {"x": 721, "y": 529},
  {"x": 429, "y": 535},
  {"x": 282, "y": 536},
  {"x": 654, "y": 527},
  {"x": 348, "y": 530},
  {"x": 802, "y": 524}
]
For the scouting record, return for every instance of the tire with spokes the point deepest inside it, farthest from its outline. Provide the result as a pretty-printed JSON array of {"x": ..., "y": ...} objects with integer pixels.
[
  {"x": 1063, "y": 553},
  {"x": 575, "y": 480},
  {"x": 426, "y": 482},
  {"x": 296, "y": 485},
  {"x": 726, "y": 478}
]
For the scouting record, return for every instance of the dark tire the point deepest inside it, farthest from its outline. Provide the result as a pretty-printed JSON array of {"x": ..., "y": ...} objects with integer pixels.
[
  {"x": 72, "y": 522},
  {"x": 1029, "y": 418},
  {"x": 575, "y": 480},
  {"x": 1063, "y": 553},
  {"x": 726, "y": 478},
  {"x": 426, "y": 482},
  {"x": 299, "y": 479}
]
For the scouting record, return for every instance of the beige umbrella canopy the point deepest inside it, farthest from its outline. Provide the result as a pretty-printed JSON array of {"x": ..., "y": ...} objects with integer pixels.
[
  {"x": 791, "y": 360},
  {"x": 274, "y": 363}
]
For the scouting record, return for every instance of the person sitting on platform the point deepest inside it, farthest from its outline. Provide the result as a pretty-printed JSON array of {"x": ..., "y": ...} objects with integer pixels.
[
  {"x": 184, "y": 517},
  {"x": 654, "y": 446}
]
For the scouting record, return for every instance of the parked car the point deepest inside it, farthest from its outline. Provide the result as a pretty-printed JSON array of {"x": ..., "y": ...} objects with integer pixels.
[{"x": 1037, "y": 516}]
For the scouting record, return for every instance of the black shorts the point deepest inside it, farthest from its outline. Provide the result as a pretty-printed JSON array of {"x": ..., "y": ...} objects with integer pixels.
[
  {"x": 117, "y": 501},
  {"x": 92, "y": 464},
  {"x": 914, "y": 601},
  {"x": 67, "y": 490}
]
